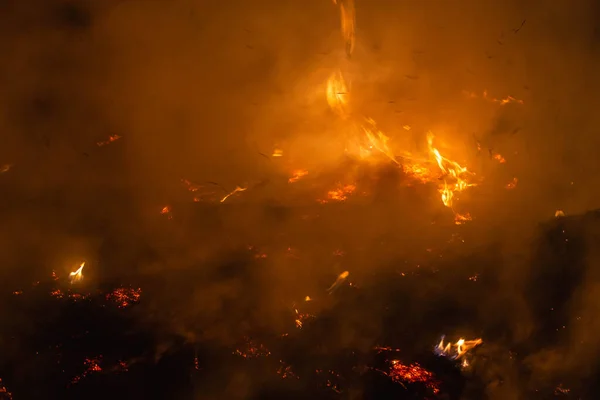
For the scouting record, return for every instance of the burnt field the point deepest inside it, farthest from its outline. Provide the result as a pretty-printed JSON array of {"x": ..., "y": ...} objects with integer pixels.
[{"x": 224, "y": 329}]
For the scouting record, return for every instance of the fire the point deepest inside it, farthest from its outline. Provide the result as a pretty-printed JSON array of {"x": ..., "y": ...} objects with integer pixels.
[
  {"x": 297, "y": 175},
  {"x": 5, "y": 168},
  {"x": 337, "y": 93},
  {"x": 234, "y": 191},
  {"x": 455, "y": 176},
  {"x": 499, "y": 158},
  {"x": 348, "y": 19},
  {"x": 339, "y": 194},
  {"x": 485, "y": 96},
  {"x": 456, "y": 350},
  {"x": 77, "y": 276},
  {"x": 277, "y": 153},
  {"x": 111, "y": 138},
  {"x": 124, "y": 297}
]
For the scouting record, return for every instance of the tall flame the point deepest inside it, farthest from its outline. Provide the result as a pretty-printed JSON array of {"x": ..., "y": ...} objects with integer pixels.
[
  {"x": 348, "y": 20},
  {"x": 337, "y": 94}
]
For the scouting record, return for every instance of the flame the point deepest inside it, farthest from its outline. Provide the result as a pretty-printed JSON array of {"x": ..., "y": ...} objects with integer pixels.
[
  {"x": 5, "y": 168},
  {"x": 277, "y": 153},
  {"x": 77, "y": 276},
  {"x": 455, "y": 177},
  {"x": 337, "y": 93},
  {"x": 456, "y": 350},
  {"x": 485, "y": 96},
  {"x": 348, "y": 22},
  {"x": 499, "y": 158},
  {"x": 339, "y": 194},
  {"x": 297, "y": 175},
  {"x": 234, "y": 191}
]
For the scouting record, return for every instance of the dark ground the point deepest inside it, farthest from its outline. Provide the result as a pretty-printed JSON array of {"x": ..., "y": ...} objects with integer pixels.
[{"x": 94, "y": 347}]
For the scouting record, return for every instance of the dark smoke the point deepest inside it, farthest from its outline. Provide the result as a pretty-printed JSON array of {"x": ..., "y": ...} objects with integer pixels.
[{"x": 198, "y": 89}]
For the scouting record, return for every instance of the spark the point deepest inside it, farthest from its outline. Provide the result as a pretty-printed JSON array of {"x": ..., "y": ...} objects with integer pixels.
[
  {"x": 234, "y": 191},
  {"x": 339, "y": 280}
]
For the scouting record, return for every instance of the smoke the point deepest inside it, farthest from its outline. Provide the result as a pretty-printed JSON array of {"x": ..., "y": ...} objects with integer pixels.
[{"x": 198, "y": 90}]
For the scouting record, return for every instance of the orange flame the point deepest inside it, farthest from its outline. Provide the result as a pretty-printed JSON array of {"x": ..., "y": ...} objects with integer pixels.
[{"x": 77, "y": 276}]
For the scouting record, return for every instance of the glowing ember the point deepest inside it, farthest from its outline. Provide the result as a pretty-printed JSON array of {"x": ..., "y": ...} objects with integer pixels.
[
  {"x": 92, "y": 366},
  {"x": 285, "y": 371},
  {"x": 297, "y": 175},
  {"x": 485, "y": 96},
  {"x": 301, "y": 318},
  {"x": 512, "y": 184},
  {"x": 252, "y": 350},
  {"x": 124, "y": 297},
  {"x": 559, "y": 213},
  {"x": 77, "y": 276},
  {"x": 340, "y": 279},
  {"x": 413, "y": 373},
  {"x": 5, "y": 168},
  {"x": 4, "y": 393},
  {"x": 234, "y": 191},
  {"x": 110, "y": 139},
  {"x": 499, "y": 158},
  {"x": 166, "y": 210}
]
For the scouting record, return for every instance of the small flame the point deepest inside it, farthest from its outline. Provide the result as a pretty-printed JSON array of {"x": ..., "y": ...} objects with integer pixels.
[
  {"x": 339, "y": 194},
  {"x": 297, "y": 175},
  {"x": 234, "y": 191},
  {"x": 499, "y": 158},
  {"x": 77, "y": 275},
  {"x": 456, "y": 350},
  {"x": 485, "y": 96},
  {"x": 277, "y": 153}
]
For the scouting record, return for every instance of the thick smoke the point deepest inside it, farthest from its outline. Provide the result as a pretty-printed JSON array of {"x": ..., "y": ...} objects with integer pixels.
[{"x": 198, "y": 90}]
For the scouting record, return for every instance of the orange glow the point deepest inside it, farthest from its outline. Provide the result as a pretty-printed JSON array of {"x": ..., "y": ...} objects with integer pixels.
[
  {"x": 110, "y": 139},
  {"x": 512, "y": 184},
  {"x": 297, "y": 175}
]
